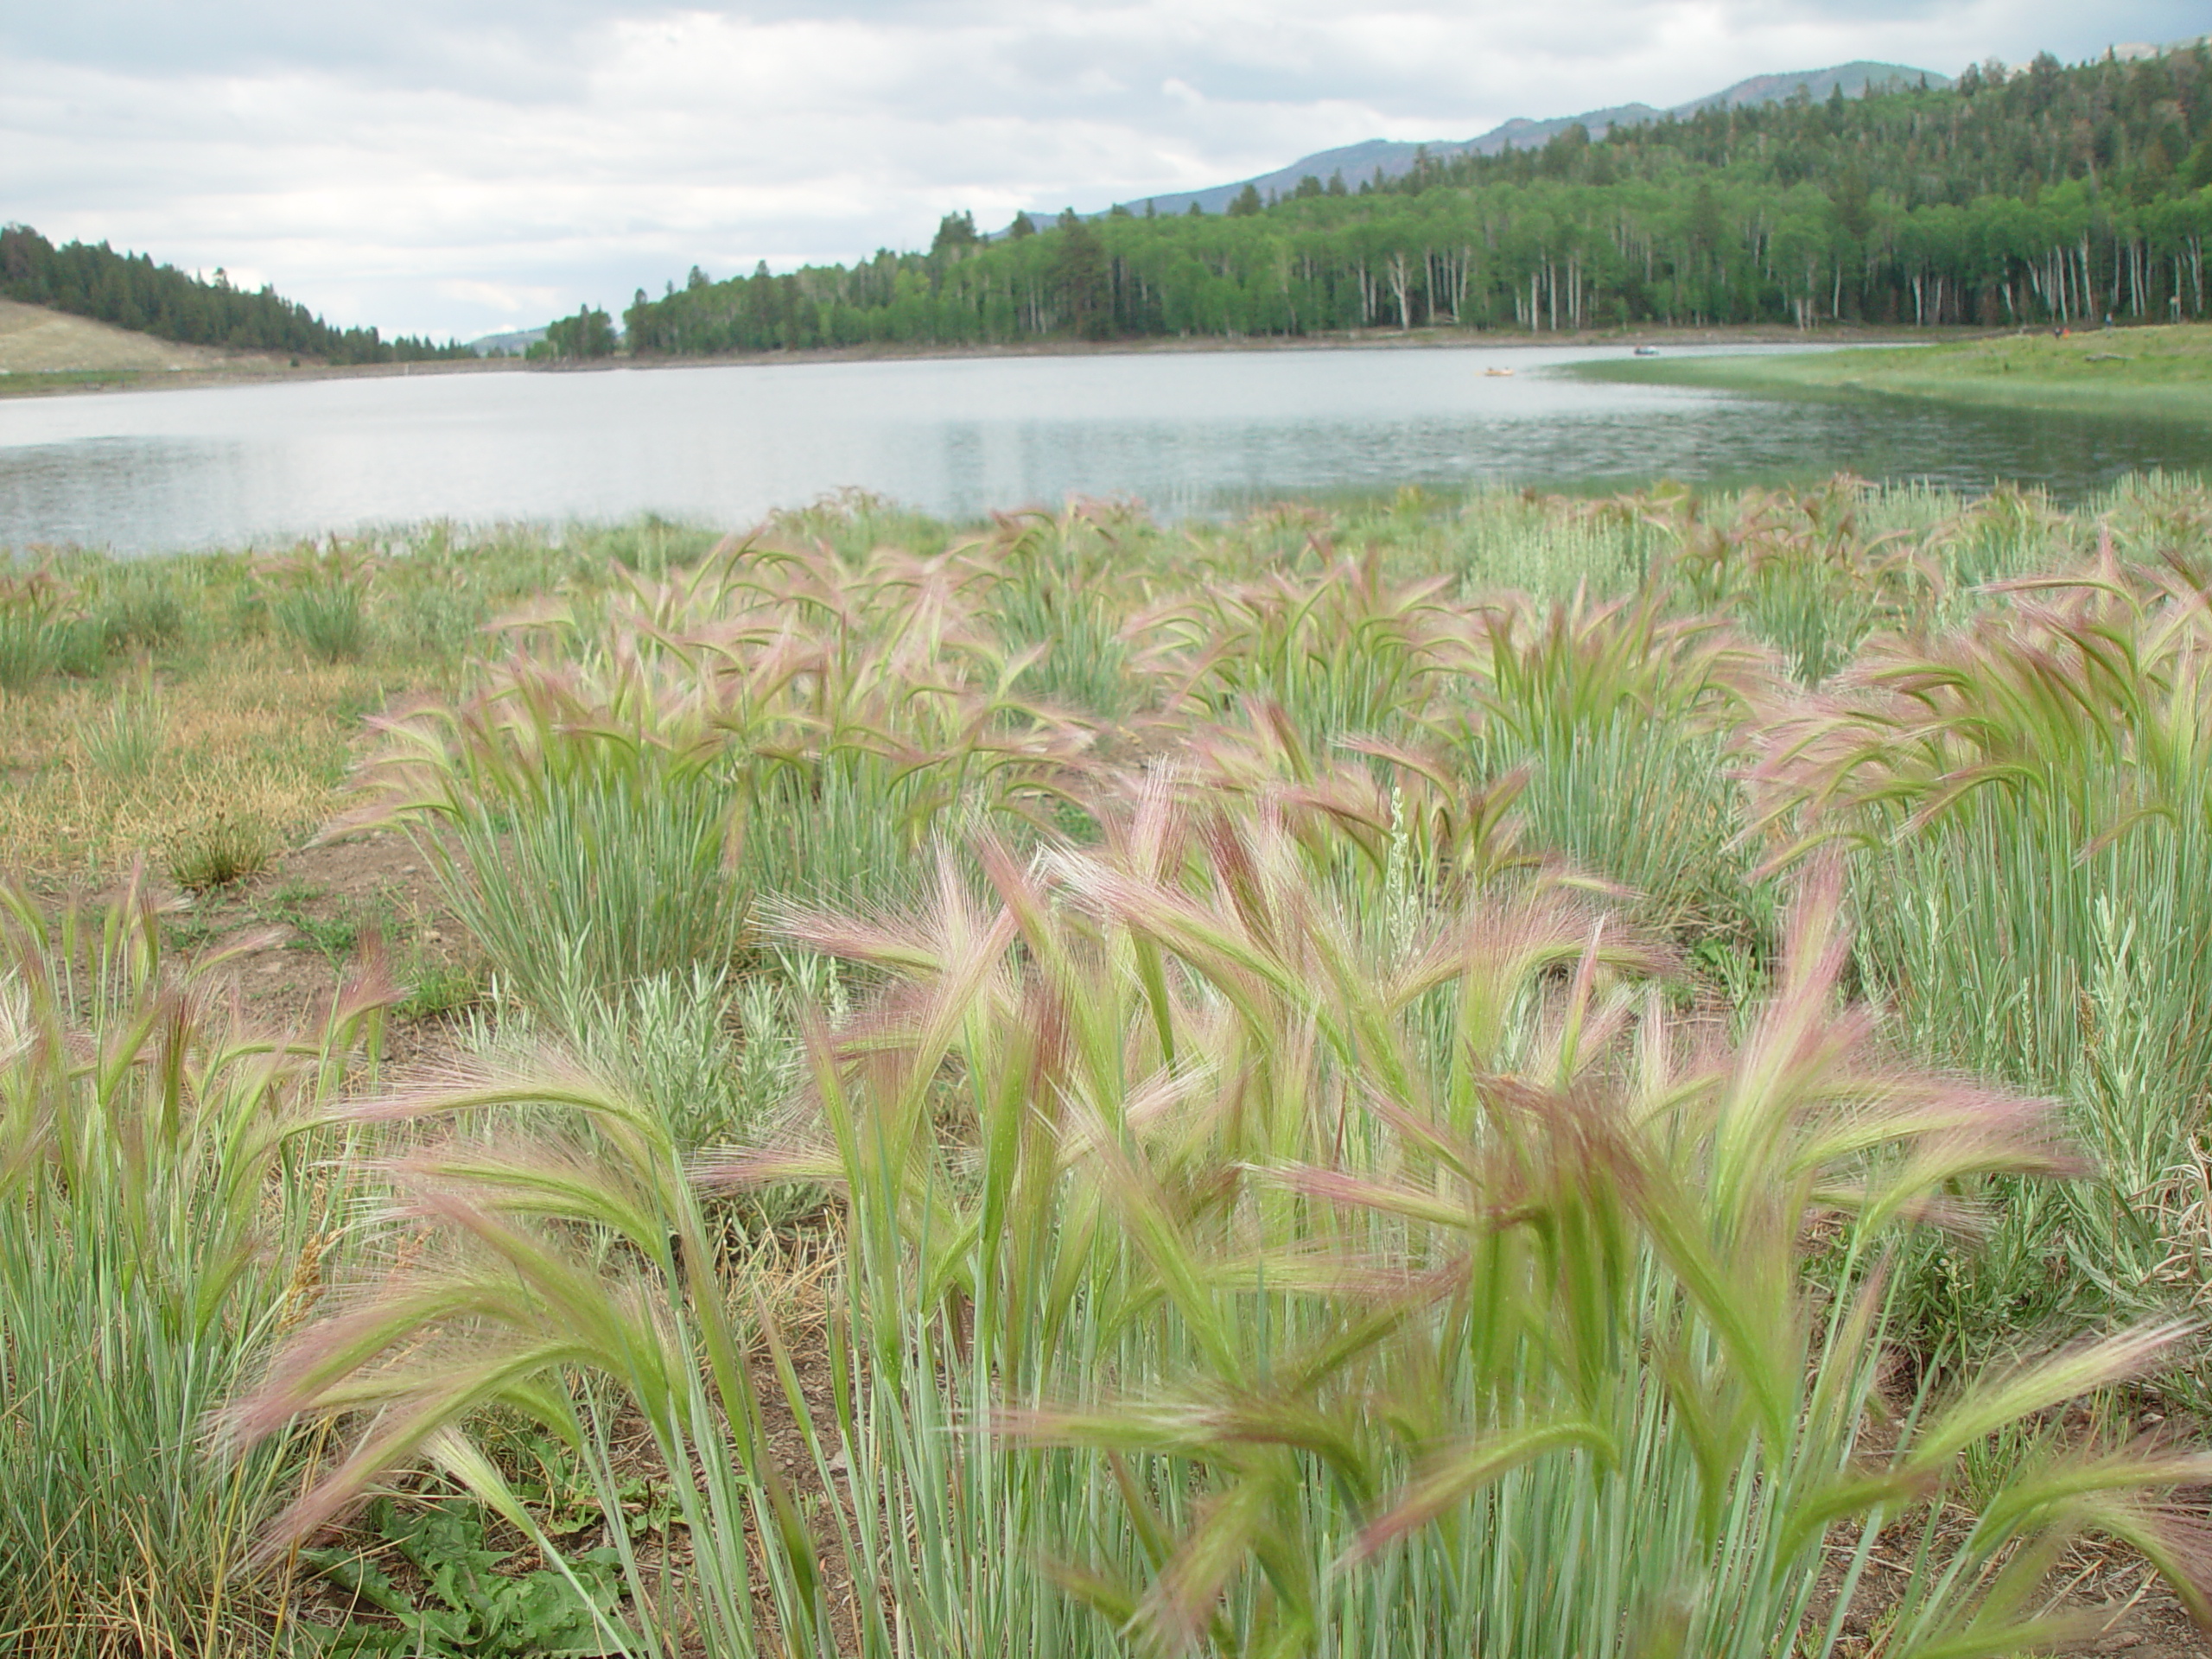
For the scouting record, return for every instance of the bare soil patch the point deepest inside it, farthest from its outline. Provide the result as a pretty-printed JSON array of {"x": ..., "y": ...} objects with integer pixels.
[{"x": 300, "y": 928}]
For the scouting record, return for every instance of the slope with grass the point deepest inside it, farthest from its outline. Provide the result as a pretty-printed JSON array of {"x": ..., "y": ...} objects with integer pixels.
[
  {"x": 45, "y": 350},
  {"x": 36, "y": 340},
  {"x": 2157, "y": 373}
]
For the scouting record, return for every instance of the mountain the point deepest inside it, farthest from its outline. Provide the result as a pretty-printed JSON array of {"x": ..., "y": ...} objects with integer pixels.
[
  {"x": 1394, "y": 158},
  {"x": 513, "y": 342}
]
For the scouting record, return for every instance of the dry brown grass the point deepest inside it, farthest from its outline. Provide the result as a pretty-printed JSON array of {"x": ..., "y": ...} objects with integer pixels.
[
  {"x": 256, "y": 736},
  {"x": 36, "y": 340}
]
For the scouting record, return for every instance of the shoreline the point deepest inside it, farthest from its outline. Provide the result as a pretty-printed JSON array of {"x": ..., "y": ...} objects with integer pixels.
[
  {"x": 2159, "y": 372},
  {"x": 264, "y": 372}
]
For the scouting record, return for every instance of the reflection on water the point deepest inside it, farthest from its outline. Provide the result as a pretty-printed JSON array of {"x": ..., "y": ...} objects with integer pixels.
[{"x": 1188, "y": 433}]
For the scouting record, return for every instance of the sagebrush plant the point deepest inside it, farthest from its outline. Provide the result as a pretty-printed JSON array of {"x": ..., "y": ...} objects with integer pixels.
[
  {"x": 1222, "y": 1268},
  {"x": 166, "y": 1215},
  {"x": 711, "y": 1055}
]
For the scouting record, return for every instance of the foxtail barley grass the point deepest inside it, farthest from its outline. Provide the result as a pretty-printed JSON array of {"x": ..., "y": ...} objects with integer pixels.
[
  {"x": 602, "y": 886},
  {"x": 121, "y": 742},
  {"x": 43, "y": 630},
  {"x": 2030, "y": 793},
  {"x": 1798, "y": 567},
  {"x": 1346, "y": 653},
  {"x": 165, "y": 1219},
  {"x": 774, "y": 720},
  {"x": 1624, "y": 720},
  {"x": 319, "y": 596},
  {"x": 1070, "y": 580},
  {"x": 1353, "y": 1115},
  {"x": 1219, "y": 1271}
]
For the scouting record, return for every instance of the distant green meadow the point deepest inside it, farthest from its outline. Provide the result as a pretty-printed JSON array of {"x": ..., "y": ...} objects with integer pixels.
[{"x": 2157, "y": 373}]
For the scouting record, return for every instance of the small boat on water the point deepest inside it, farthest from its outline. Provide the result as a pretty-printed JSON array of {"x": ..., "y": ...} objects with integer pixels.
[
  {"x": 1497, "y": 372},
  {"x": 1647, "y": 351}
]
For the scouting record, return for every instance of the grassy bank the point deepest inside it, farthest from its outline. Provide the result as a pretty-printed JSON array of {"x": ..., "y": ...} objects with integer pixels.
[
  {"x": 28, "y": 382},
  {"x": 1067, "y": 1087},
  {"x": 2160, "y": 373}
]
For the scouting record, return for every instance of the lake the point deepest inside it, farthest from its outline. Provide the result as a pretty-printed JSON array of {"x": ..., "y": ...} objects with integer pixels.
[{"x": 1196, "y": 433}]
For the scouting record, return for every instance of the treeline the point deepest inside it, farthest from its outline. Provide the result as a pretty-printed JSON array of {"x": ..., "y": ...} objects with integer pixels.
[
  {"x": 2048, "y": 195},
  {"x": 131, "y": 292},
  {"x": 589, "y": 334}
]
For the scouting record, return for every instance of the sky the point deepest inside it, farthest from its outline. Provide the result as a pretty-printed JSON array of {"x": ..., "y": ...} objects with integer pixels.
[{"x": 458, "y": 166}]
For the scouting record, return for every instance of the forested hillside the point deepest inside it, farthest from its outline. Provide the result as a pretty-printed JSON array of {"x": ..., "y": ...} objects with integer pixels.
[
  {"x": 131, "y": 292},
  {"x": 2044, "y": 195}
]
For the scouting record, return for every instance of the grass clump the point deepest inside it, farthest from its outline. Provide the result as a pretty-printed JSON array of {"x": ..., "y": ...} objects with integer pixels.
[
  {"x": 1066, "y": 591},
  {"x": 2030, "y": 790},
  {"x": 320, "y": 598},
  {"x": 1622, "y": 718},
  {"x": 163, "y": 1220},
  {"x": 1346, "y": 652},
  {"x": 42, "y": 631},
  {"x": 1285, "y": 1286},
  {"x": 222, "y": 849},
  {"x": 1083, "y": 1087},
  {"x": 619, "y": 787},
  {"x": 122, "y": 740},
  {"x": 144, "y": 607}
]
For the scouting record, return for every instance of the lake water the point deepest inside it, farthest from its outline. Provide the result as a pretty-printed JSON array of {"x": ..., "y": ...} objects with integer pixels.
[{"x": 1194, "y": 433}]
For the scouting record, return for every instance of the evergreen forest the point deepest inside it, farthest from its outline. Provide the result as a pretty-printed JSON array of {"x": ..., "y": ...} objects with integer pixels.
[
  {"x": 131, "y": 292},
  {"x": 2043, "y": 196}
]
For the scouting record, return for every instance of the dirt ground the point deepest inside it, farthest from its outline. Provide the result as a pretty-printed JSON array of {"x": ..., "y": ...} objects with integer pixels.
[
  {"x": 2157, "y": 1629},
  {"x": 297, "y": 926},
  {"x": 2122, "y": 1608}
]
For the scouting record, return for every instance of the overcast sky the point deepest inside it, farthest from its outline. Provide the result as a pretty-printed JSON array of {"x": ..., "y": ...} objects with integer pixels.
[{"x": 462, "y": 166}]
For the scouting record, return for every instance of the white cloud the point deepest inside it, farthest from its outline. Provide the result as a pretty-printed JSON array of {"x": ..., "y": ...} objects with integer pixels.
[{"x": 452, "y": 165}]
